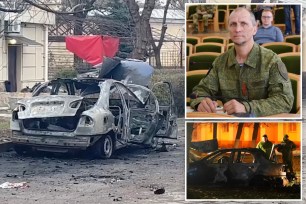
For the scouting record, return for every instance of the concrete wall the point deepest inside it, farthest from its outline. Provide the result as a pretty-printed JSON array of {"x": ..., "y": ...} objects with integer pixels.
[
  {"x": 59, "y": 58},
  {"x": 3, "y": 60},
  {"x": 30, "y": 68},
  {"x": 32, "y": 63}
]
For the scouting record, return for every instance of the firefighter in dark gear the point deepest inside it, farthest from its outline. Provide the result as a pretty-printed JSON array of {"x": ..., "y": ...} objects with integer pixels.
[
  {"x": 250, "y": 79},
  {"x": 286, "y": 147},
  {"x": 265, "y": 145}
]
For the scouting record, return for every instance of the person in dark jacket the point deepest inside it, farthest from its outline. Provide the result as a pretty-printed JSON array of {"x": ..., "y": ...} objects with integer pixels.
[{"x": 286, "y": 147}]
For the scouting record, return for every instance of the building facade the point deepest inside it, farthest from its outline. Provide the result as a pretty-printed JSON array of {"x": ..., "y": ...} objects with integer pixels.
[{"x": 24, "y": 45}]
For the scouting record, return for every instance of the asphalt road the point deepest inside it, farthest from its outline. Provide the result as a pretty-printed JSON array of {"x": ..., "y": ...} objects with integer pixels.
[{"x": 134, "y": 175}]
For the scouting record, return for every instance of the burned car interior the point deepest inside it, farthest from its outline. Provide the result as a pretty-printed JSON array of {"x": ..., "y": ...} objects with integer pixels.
[
  {"x": 67, "y": 88},
  {"x": 240, "y": 166}
]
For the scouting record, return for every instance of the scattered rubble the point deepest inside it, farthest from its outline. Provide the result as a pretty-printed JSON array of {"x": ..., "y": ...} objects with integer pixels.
[{"x": 14, "y": 185}]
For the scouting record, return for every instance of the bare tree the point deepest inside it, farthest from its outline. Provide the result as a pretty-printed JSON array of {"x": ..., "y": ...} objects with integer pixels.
[
  {"x": 144, "y": 36},
  {"x": 142, "y": 26},
  {"x": 157, "y": 48}
]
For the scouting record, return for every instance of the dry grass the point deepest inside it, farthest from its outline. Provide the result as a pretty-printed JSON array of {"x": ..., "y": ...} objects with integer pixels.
[
  {"x": 4, "y": 124},
  {"x": 5, "y": 132}
]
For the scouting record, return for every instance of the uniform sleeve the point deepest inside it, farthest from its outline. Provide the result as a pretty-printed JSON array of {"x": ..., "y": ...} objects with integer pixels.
[
  {"x": 199, "y": 11},
  {"x": 280, "y": 95},
  {"x": 208, "y": 86}
]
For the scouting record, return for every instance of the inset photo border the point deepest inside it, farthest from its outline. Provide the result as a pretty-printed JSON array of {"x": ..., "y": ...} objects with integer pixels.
[
  {"x": 243, "y": 161},
  {"x": 263, "y": 92}
]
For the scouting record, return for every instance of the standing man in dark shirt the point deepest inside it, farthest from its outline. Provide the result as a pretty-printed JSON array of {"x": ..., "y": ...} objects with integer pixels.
[{"x": 286, "y": 147}]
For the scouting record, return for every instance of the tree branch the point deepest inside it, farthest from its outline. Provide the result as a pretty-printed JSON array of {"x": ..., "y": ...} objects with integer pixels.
[
  {"x": 134, "y": 9},
  {"x": 163, "y": 29},
  {"x": 164, "y": 25},
  {"x": 57, "y": 12},
  {"x": 147, "y": 9},
  {"x": 11, "y": 10}
]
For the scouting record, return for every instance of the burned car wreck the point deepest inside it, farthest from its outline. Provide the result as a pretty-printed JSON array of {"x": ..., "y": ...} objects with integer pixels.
[
  {"x": 99, "y": 115},
  {"x": 242, "y": 166}
]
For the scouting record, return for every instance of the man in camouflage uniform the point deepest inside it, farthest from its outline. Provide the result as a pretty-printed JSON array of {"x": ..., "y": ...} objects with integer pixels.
[
  {"x": 250, "y": 78},
  {"x": 265, "y": 145},
  {"x": 203, "y": 12},
  {"x": 286, "y": 147}
]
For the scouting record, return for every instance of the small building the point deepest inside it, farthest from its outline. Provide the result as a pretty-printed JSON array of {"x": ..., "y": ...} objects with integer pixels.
[{"x": 24, "y": 45}]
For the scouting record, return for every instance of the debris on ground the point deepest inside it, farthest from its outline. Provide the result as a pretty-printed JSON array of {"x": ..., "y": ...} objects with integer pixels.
[
  {"x": 157, "y": 189},
  {"x": 117, "y": 199},
  {"x": 14, "y": 185}
]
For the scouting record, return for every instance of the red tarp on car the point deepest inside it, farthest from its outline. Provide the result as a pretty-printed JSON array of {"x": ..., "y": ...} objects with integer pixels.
[{"x": 93, "y": 48}]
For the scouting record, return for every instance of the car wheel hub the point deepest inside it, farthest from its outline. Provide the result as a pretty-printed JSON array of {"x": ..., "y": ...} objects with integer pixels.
[{"x": 107, "y": 146}]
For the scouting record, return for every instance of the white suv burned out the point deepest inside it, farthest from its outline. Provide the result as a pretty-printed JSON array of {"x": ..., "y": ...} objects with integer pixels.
[{"x": 94, "y": 114}]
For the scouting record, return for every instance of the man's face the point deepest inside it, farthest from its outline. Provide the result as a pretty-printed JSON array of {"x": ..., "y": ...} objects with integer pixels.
[
  {"x": 241, "y": 28},
  {"x": 266, "y": 18},
  {"x": 264, "y": 139}
]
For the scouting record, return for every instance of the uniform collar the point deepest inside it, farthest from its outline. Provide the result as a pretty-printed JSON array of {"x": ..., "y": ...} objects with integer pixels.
[{"x": 251, "y": 60}]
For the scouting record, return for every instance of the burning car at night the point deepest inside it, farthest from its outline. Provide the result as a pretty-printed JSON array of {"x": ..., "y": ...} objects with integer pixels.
[
  {"x": 246, "y": 166},
  {"x": 99, "y": 115}
]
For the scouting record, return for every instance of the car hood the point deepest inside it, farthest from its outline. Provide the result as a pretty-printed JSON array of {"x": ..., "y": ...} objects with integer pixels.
[{"x": 49, "y": 106}]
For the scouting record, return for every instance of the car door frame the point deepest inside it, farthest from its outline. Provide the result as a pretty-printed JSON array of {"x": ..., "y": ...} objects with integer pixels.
[
  {"x": 142, "y": 114},
  {"x": 168, "y": 127},
  {"x": 240, "y": 169}
]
